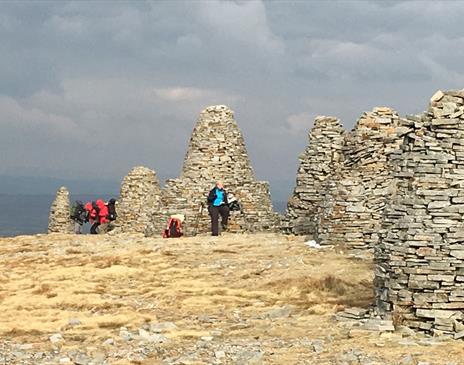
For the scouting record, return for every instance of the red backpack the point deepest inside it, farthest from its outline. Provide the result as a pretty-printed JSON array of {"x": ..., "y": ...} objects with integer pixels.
[{"x": 173, "y": 228}]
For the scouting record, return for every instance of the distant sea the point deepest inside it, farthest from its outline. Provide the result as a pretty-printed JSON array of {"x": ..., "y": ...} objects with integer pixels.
[{"x": 28, "y": 214}]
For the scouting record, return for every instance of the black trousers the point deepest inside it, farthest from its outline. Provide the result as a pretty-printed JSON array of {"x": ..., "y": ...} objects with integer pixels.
[
  {"x": 93, "y": 228},
  {"x": 214, "y": 212}
]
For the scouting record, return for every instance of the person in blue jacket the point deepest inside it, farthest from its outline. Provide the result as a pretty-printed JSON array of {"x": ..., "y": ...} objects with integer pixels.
[{"x": 218, "y": 205}]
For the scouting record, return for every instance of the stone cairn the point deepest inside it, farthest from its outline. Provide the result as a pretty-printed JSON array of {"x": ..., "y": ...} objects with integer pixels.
[
  {"x": 59, "y": 220},
  {"x": 216, "y": 152},
  {"x": 419, "y": 276},
  {"x": 138, "y": 200},
  {"x": 356, "y": 194},
  {"x": 317, "y": 163}
]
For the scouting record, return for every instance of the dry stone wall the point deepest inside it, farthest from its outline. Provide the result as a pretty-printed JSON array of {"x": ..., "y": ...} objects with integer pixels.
[
  {"x": 216, "y": 152},
  {"x": 318, "y": 162},
  {"x": 419, "y": 276},
  {"x": 138, "y": 201},
  {"x": 59, "y": 220},
  {"x": 356, "y": 194},
  {"x": 344, "y": 180}
]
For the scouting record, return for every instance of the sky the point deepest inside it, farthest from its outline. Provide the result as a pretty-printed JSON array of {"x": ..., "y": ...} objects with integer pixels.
[{"x": 91, "y": 89}]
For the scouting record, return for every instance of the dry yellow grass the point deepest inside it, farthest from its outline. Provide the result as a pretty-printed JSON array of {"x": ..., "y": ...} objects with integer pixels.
[{"x": 126, "y": 281}]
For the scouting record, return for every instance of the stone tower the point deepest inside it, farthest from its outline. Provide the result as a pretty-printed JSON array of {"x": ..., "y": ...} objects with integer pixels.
[
  {"x": 317, "y": 163},
  {"x": 356, "y": 194},
  {"x": 419, "y": 275},
  {"x": 59, "y": 220},
  {"x": 216, "y": 152},
  {"x": 138, "y": 200}
]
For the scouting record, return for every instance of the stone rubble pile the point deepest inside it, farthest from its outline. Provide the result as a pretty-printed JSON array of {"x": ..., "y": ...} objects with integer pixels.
[
  {"x": 59, "y": 220},
  {"x": 138, "y": 201},
  {"x": 318, "y": 162},
  {"x": 419, "y": 271},
  {"x": 216, "y": 152},
  {"x": 356, "y": 194},
  {"x": 352, "y": 314}
]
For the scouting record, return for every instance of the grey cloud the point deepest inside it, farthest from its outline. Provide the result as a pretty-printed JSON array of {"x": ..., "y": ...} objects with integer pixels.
[{"x": 123, "y": 83}]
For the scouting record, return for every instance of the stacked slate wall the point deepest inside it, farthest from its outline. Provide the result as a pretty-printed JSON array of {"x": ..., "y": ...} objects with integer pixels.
[
  {"x": 138, "y": 200},
  {"x": 59, "y": 220},
  {"x": 419, "y": 276},
  {"x": 356, "y": 194},
  {"x": 216, "y": 152},
  {"x": 318, "y": 162}
]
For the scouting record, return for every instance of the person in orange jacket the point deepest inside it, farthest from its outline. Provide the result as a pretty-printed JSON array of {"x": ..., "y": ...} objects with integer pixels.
[{"x": 103, "y": 214}]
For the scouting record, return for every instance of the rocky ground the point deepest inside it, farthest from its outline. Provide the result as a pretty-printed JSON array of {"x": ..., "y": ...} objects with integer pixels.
[{"x": 236, "y": 299}]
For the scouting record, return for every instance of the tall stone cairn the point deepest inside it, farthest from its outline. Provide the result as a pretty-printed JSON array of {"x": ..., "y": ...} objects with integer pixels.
[
  {"x": 419, "y": 271},
  {"x": 138, "y": 201},
  {"x": 216, "y": 152},
  {"x": 356, "y": 194},
  {"x": 318, "y": 162},
  {"x": 59, "y": 220}
]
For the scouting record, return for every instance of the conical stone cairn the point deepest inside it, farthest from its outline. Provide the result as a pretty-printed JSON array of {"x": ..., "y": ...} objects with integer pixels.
[
  {"x": 216, "y": 152},
  {"x": 419, "y": 260},
  {"x": 138, "y": 201},
  {"x": 358, "y": 191},
  {"x": 318, "y": 162},
  {"x": 59, "y": 220}
]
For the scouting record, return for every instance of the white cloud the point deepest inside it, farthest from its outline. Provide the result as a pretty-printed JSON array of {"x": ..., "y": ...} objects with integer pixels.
[
  {"x": 298, "y": 123},
  {"x": 115, "y": 122},
  {"x": 96, "y": 104},
  {"x": 192, "y": 94},
  {"x": 244, "y": 22},
  {"x": 33, "y": 119},
  {"x": 189, "y": 40},
  {"x": 180, "y": 93},
  {"x": 71, "y": 25}
]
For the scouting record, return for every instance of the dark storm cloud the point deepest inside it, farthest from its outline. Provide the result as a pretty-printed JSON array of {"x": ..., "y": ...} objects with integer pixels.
[{"x": 92, "y": 87}]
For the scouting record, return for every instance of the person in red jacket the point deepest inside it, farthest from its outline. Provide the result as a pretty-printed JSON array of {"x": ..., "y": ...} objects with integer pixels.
[
  {"x": 93, "y": 215},
  {"x": 98, "y": 216},
  {"x": 103, "y": 211},
  {"x": 101, "y": 217}
]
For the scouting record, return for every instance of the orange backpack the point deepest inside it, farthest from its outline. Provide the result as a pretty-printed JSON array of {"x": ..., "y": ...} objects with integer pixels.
[{"x": 173, "y": 228}]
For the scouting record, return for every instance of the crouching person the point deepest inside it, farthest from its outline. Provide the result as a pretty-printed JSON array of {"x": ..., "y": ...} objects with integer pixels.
[{"x": 217, "y": 205}]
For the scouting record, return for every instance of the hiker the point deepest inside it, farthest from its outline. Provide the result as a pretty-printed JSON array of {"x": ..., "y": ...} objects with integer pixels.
[
  {"x": 102, "y": 216},
  {"x": 174, "y": 226},
  {"x": 79, "y": 215},
  {"x": 218, "y": 205},
  {"x": 112, "y": 214},
  {"x": 92, "y": 209}
]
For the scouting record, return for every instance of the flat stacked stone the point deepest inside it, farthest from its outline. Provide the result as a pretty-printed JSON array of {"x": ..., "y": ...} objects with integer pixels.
[
  {"x": 318, "y": 162},
  {"x": 419, "y": 276},
  {"x": 138, "y": 201},
  {"x": 59, "y": 220},
  {"x": 355, "y": 195},
  {"x": 216, "y": 152}
]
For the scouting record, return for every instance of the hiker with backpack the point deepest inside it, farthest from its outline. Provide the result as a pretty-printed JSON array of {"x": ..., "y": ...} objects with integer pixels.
[
  {"x": 102, "y": 217},
  {"x": 174, "y": 226},
  {"x": 112, "y": 215},
  {"x": 79, "y": 215},
  {"x": 93, "y": 211},
  {"x": 218, "y": 205}
]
